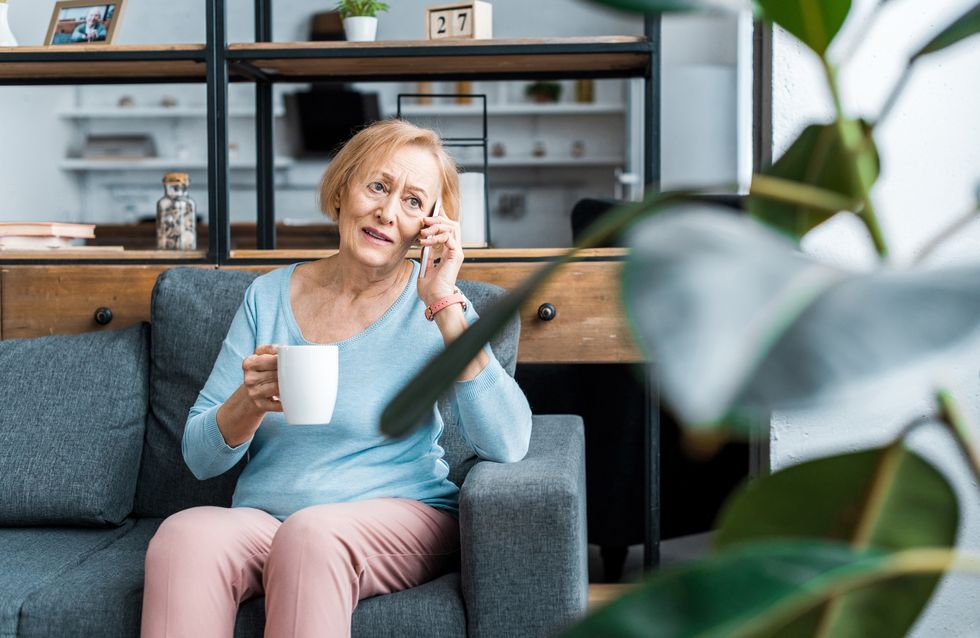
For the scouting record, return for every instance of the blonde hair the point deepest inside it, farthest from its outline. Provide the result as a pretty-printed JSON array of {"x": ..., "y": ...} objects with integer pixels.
[{"x": 373, "y": 145}]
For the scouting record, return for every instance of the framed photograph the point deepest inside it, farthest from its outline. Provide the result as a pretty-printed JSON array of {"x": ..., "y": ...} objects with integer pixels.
[{"x": 84, "y": 22}]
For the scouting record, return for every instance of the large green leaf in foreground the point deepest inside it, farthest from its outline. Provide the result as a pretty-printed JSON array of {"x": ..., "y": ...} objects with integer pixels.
[
  {"x": 736, "y": 317},
  {"x": 889, "y": 499},
  {"x": 817, "y": 158},
  {"x": 758, "y": 589},
  {"x": 814, "y": 22},
  {"x": 963, "y": 27}
]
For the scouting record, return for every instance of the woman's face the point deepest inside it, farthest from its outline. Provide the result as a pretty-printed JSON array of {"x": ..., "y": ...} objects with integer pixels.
[{"x": 388, "y": 200}]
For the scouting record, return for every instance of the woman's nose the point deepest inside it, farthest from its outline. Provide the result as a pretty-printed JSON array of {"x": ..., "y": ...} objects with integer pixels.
[{"x": 387, "y": 210}]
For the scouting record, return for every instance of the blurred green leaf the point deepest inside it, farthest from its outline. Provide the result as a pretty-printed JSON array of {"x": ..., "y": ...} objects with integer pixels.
[
  {"x": 413, "y": 404},
  {"x": 817, "y": 158},
  {"x": 757, "y": 589},
  {"x": 963, "y": 27},
  {"x": 814, "y": 22},
  {"x": 888, "y": 498},
  {"x": 736, "y": 317}
]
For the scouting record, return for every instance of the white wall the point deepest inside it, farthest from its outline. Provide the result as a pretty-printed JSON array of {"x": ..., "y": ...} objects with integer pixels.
[{"x": 930, "y": 150}]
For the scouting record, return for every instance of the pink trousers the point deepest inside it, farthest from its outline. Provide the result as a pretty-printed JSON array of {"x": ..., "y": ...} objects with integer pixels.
[{"x": 312, "y": 568}]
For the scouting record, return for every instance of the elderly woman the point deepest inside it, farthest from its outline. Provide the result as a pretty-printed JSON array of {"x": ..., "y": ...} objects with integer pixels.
[{"x": 326, "y": 515}]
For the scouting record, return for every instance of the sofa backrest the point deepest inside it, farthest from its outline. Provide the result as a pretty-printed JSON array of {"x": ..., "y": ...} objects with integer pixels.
[{"x": 191, "y": 311}]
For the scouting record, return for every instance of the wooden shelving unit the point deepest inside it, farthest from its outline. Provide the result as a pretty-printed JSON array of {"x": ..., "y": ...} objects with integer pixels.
[{"x": 586, "y": 288}]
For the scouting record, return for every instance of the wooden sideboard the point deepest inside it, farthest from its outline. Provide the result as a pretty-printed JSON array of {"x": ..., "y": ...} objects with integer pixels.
[{"x": 588, "y": 327}]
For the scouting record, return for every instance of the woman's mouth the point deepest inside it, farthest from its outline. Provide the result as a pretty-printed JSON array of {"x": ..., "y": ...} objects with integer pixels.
[{"x": 375, "y": 237}]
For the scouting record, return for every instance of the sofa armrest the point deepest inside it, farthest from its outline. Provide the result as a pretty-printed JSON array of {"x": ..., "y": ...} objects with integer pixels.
[{"x": 523, "y": 535}]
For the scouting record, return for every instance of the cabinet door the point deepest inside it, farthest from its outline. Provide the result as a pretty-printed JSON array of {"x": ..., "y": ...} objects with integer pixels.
[
  {"x": 588, "y": 323},
  {"x": 45, "y": 300}
]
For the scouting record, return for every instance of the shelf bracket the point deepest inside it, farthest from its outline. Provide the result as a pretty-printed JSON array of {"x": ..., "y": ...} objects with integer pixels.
[{"x": 250, "y": 71}]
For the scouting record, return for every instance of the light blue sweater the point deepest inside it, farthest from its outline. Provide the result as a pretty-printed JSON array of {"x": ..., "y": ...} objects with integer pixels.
[{"x": 291, "y": 467}]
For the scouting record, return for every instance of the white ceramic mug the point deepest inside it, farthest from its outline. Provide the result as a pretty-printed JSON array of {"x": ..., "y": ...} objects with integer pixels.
[{"x": 308, "y": 378}]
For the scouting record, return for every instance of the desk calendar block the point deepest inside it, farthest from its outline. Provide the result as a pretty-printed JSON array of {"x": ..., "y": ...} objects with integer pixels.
[{"x": 459, "y": 20}]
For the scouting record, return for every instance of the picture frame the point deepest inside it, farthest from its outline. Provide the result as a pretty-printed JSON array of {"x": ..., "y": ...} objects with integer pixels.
[{"x": 84, "y": 22}]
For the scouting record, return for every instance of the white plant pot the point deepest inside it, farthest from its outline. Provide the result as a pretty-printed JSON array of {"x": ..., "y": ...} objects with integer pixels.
[
  {"x": 7, "y": 38},
  {"x": 361, "y": 28}
]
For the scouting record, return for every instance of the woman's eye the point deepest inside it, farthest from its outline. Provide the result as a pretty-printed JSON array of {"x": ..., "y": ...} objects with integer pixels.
[
  {"x": 415, "y": 202},
  {"x": 380, "y": 187}
]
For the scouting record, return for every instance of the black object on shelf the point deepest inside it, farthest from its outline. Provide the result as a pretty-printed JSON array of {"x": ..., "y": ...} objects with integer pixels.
[{"x": 328, "y": 115}]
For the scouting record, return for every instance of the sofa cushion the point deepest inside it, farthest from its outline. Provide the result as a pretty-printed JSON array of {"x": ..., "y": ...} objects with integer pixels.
[
  {"x": 71, "y": 428},
  {"x": 32, "y": 559},
  {"x": 191, "y": 311},
  {"x": 82, "y": 583},
  {"x": 436, "y": 606}
]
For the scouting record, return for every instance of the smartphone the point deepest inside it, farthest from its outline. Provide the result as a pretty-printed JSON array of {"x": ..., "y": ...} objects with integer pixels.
[{"x": 436, "y": 210}]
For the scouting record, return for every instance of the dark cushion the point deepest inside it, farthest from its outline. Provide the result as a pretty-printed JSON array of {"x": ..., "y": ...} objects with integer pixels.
[
  {"x": 100, "y": 596},
  {"x": 32, "y": 559},
  {"x": 83, "y": 583},
  {"x": 71, "y": 428},
  {"x": 191, "y": 311},
  {"x": 431, "y": 609}
]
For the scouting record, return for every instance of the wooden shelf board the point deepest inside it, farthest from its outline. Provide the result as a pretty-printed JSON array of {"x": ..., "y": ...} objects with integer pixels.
[
  {"x": 107, "y": 255},
  {"x": 604, "y": 593},
  {"x": 613, "y": 55},
  {"x": 102, "y": 61},
  {"x": 471, "y": 253}
]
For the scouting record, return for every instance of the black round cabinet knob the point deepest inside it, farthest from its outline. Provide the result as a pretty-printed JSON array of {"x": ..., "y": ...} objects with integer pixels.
[
  {"x": 103, "y": 315},
  {"x": 547, "y": 312}
]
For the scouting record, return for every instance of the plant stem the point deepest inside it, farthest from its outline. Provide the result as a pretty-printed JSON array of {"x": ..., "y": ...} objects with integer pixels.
[
  {"x": 893, "y": 96},
  {"x": 946, "y": 233},
  {"x": 852, "y": 141},
  {"x": 951, "y": 415}
]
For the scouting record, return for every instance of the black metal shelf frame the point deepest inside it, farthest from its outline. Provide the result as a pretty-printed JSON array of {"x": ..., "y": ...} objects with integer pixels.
[{"x": 219, "y": 60}]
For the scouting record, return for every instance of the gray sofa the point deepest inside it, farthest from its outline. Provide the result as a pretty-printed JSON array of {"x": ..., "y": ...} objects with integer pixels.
[{"x": 90, "y": 465}]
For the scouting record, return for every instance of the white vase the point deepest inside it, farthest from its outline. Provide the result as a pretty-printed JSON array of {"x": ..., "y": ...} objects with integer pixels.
[
  {"x": 7, "y": 38},
  {"x": 360, "y": 28}
]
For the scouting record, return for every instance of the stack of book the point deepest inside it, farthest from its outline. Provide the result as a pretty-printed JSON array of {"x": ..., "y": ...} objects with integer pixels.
[{"x": 42, "y": 235}]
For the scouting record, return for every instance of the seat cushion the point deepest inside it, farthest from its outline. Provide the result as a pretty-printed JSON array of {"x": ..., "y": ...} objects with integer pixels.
[
  {"x": 71, "y": 428},
  {"x": 434, "y": 609},
  {"x": 82, "y": 583},
  {"x": 99, "y": 596},
  {"x": 34, "y": 559}
]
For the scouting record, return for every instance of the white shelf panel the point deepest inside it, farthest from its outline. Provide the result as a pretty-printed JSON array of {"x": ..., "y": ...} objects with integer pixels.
[
  {"x": 518, "y": 161},
  {"x": 150, "y": 112},
  {"x": 456, "y": 110},
  {"x": 155, "y": 163}
]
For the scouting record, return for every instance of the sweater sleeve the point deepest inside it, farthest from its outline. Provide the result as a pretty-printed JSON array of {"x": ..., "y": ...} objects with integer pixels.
[
  {"x": 494, "y": 415},
  {"x": 204, "y": 448}
]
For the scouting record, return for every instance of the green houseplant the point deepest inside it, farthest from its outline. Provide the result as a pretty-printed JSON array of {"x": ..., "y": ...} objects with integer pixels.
[
  {"x": 360, "y": 18},
  {"x": 543, "y": 92},
  {"x": 849, "y": 545}
]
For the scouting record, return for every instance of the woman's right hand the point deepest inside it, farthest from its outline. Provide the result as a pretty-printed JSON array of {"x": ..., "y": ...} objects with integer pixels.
[{"x": 261, "y": 371}]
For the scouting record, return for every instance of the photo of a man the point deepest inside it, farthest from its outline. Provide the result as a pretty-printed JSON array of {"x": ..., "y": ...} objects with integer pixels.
[
  {"x": 92, "y": 30},
  {"x": 80, "y": 22}
]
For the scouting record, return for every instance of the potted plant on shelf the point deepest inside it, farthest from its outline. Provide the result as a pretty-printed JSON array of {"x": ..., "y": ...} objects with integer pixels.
[
  {"x": 543, "y": 92},
  {"x": 360, "y": 19}
]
